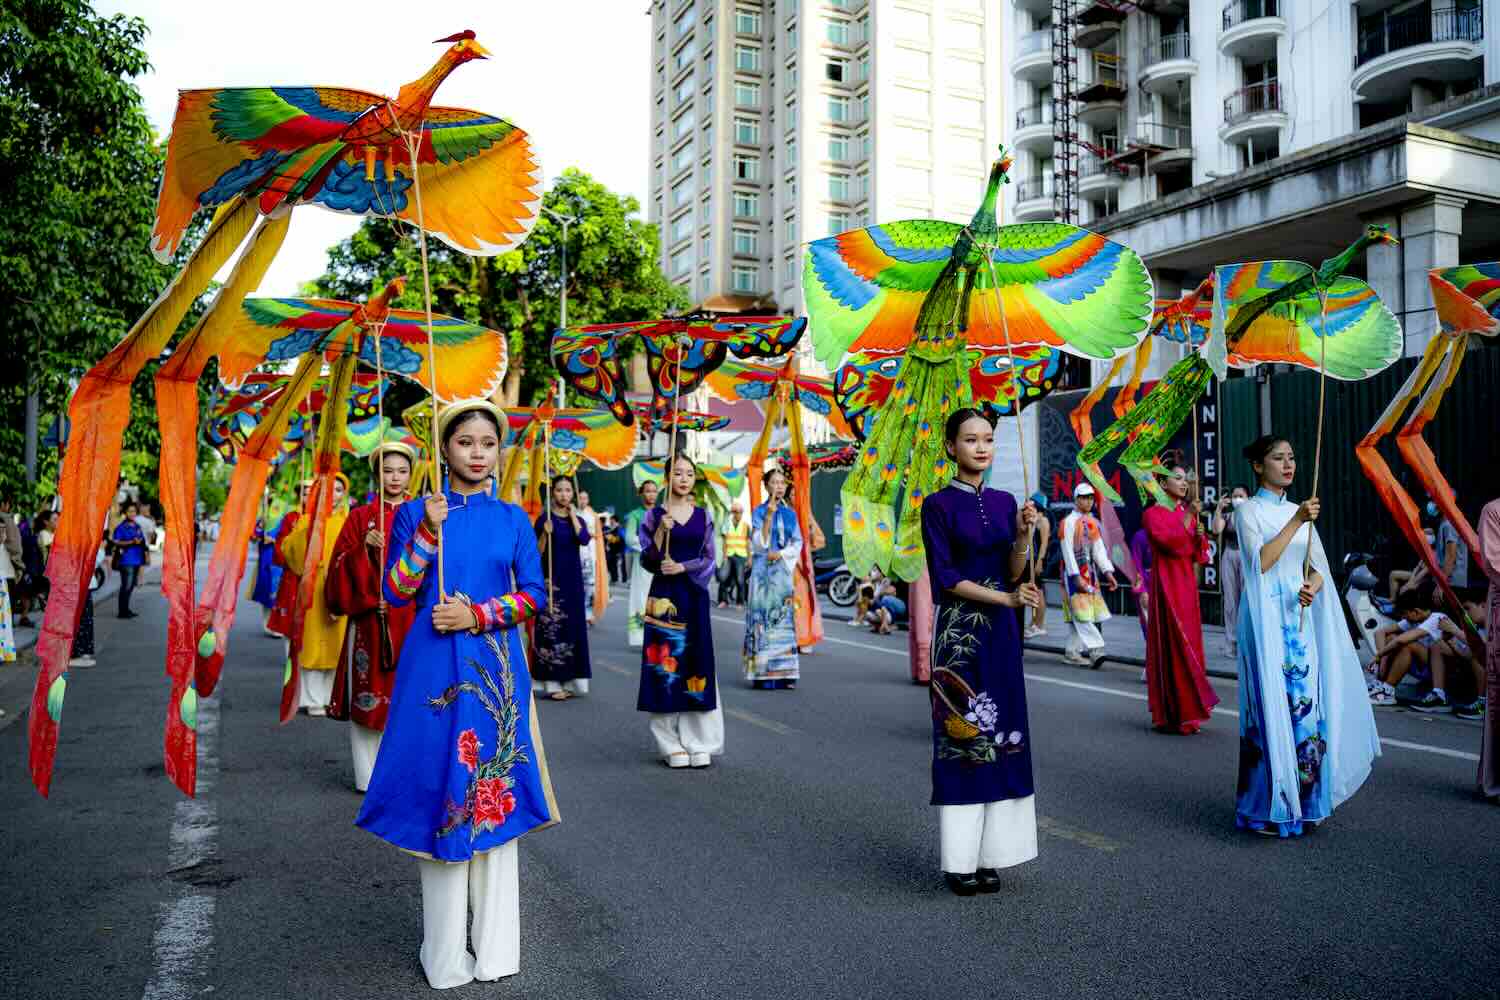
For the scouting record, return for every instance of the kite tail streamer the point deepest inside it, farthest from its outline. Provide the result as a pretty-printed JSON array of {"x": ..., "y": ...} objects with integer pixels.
[
  {"x": 1148, "y": 427},
  {"x": 808, "y": 617},
  {"x": 216, "y": 603},
  {"x": 177, "y": 420},
  {"x": 91, "y": 468},
  {"x": 331, "y": 424}
]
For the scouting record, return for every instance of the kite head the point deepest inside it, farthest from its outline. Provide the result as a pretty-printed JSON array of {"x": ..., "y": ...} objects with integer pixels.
[
  {"x": 1379, "y": 232},
  {"x": 1002, "y": 165},
  {"x": 465, "y": 47}
]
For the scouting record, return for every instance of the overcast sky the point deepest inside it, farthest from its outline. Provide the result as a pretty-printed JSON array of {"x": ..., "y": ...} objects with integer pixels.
[{"x": 573, "y": 73}]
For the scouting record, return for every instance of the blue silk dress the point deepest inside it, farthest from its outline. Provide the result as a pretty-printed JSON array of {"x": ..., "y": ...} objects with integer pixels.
[{"x": 461, "y": 767}]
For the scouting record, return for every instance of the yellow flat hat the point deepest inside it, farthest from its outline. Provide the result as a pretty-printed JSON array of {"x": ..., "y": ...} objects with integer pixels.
[
  {"x": 459, "y": 407},
  {"x": 394, "y": 448}
]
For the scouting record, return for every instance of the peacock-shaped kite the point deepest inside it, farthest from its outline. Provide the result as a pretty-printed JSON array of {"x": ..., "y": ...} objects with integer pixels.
[
  {"x": 1467, "y": 299},
  {"x": 467, "y": 177},
  {"x": 935, "y": 316},
  {"x": 1279, "y": 311},
  {"x": 235, "y": 414}
]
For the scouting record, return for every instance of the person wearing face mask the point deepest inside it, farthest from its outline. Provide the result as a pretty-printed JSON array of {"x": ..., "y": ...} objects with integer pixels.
[
  {"x": 1416, "y": 578},
  {"x": 560, "y": 658},
  {"x": 322, "y": 630},
  {"x": 1452, "y": 553},
  {"x": 1231, "y": 578},
  {"x": 1085, "y": 563},
  {"x": 367, "y": 674},
  {"x": 462, "y": 773},
  {"x": 978, "y": 545},
  {"x": 1180, "y": 696},
  {"x": 678, "y": 679},
  {"x": 1307, "y": 732}
]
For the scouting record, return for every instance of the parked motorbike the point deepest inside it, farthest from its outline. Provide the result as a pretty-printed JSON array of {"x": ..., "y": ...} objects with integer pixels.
[{"x": 832, "y": 577}]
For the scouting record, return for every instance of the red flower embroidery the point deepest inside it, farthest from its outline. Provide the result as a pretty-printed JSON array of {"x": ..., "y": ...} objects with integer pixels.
[
  {"x": 468, "y": 749},
  {"x": 493, "y": 802}
]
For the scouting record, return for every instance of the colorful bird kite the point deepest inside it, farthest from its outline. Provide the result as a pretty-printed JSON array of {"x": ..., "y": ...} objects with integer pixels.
[
  {"x": 467, "y": 177},
  {"x": 946, "y": 315},
  {"x": 1467, "y": 299},
  {"x": 741, "y": 381},
  {"x": 680, "y": 353}
]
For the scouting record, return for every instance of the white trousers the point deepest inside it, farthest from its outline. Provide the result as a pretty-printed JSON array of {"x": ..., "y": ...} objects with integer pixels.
[
  {"x": 315, "y": 689},
  {"x": 987, "y": 835},
  {"x": 1084, "y": 635},
  {"x": 364, "y": 746},
  {"x": 579, "y": 685},
  {"x": 689, "y": 732},
  {"x": 489, "y": 885}
]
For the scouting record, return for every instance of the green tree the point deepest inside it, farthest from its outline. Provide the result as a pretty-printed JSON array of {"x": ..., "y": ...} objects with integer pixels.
[
  {"x": 81, "y": 169},
  {"x": 613, "y": 275}
]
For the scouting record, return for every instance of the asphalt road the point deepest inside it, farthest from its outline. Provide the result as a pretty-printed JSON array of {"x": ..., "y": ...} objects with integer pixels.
[{"x": 803, "y": 864}]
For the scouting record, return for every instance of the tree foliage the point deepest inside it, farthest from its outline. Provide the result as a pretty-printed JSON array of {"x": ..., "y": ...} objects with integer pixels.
[
  {"x": 81, "y": 169},
  {"x": 613, "y": 275}
]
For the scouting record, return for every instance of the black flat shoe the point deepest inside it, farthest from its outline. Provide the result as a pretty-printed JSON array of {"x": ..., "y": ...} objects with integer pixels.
[
  {"x": 989, "y": 879},
  {"x": 962, "y": 885}
]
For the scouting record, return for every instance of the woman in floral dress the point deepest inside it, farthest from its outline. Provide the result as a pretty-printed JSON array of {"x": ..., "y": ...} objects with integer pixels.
[
  {"x": 678, "y": 684},
  {"x": 1307, "y": 733},
  {"x": 976, "y": 539},
  {"x": 770, "y": 651},
  {"x": 462, "y": 773},
  {"x": 560, "y": 661}
]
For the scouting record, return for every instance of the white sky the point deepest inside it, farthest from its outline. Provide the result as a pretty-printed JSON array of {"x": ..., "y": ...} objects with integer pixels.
[{"x": 575, "y": 74}]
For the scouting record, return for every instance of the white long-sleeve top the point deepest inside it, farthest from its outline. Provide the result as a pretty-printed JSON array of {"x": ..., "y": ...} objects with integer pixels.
[{"x": 1081, "y": 535}]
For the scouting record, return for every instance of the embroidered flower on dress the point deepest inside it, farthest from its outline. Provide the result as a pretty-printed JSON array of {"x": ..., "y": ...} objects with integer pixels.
[
  {"x": 983, "y": 713},
  {"x": 493, "y": 802},
  {"x": 468, "y": 749}
]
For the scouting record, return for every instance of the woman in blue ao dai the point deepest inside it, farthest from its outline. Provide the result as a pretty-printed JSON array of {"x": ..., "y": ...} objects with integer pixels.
[
  {"x": 560, "y": 637},
  {"x": 976, "y": 544},
  {"x": 461, "y": 773},
  {"x": 1307, "y": 733},
  {"x": 678, "y": 684},
  {"x": 770, "y": 652}
]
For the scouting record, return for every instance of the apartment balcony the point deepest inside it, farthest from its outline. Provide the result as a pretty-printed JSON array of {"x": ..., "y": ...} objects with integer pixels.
[
  {"x": 1251, "y": 30},
  {"x": 1443, "y": 45},
  {"x": 1034, "y": 6},
  {"x": 1097, "y": 177},
  {"x": 1253, "y": 111},
  {"x": 1103, "y": 80},
  {"x": 1166, "y": 63},
  {"x": 1033, "y": 128},
  {"x": 1165, "y": 147},
  {"x": 1034, "y": 199},
  {"x": 1033, "y": 60},
  {"x": 1098, "y": 22}
]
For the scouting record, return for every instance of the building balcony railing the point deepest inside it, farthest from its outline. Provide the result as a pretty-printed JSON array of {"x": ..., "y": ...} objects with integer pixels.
[
  {"x": 1420, "y": 27},
  {"x": 1033, "y": 188},
  {"x": 1036, "y": 114},
  {"x": 1163, "y": 136},
  {"x": 1033, "y": 41},
  {"x": 1167, "y": 49},
  {"x": 1239, "y": 11},
  {"x": 1255, "y": 99},
  {"x": 1093, "y": 165}
]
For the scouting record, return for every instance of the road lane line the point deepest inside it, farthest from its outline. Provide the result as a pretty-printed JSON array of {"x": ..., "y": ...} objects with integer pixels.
[
  {"x": 757, "y": 720},
  {"x": 183, "y": 942},
  {"x": 1137, "y": 696},
  {"x": 1098, "y": 842}
]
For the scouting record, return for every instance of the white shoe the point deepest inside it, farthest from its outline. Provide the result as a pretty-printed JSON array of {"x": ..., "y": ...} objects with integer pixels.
[
  {"x": 675, "y": 760},
  {"x": 1032, "y": 632},
  {"x": 700, "y": 760},
  {"x": 319, "y": 711},
  {"x": 1082, "y": 661},
  {"x": 82, "y": 661}
]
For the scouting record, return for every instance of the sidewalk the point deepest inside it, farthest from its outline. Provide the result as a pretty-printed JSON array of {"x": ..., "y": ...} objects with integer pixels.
[{"x": 150, "y": 573}]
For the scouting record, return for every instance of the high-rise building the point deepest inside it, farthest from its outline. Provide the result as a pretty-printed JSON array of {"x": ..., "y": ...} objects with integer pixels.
[
  {"x": 776, "y": 122},
  {"x": 1209, "y": 132}
]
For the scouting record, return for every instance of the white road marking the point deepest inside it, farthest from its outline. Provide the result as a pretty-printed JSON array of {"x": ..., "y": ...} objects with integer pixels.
[
  {"x": 183, "y": 942},
  {"x": 1137, "y": 696},
  {"x": 761, "y": 721}
]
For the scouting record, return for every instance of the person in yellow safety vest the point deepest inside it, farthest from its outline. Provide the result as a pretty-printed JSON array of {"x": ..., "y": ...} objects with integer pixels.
[{"x": 736, "y": 549}]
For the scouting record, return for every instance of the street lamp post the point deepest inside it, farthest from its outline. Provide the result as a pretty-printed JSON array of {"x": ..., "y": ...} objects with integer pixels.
[{"x": 562, "y": 305}]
